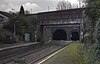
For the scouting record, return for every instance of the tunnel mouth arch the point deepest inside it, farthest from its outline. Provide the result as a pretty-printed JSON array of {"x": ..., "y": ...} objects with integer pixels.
[
  {"x": 59, "y": 34},
  {"x": 75, "y": 36}
]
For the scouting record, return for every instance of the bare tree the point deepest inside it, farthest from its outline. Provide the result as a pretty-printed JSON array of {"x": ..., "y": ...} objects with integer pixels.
[
  {"x": 82, "y": 3},
  {"x": 74, "y": 5},
  {"x": 85, "y": 1},
  {"x": 63, "y": 5}
]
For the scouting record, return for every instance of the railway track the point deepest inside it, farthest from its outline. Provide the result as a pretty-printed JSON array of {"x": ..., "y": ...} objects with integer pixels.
[
  {"x": 32, "y": 56},
  {"x": 40, "y": 59},
  {"x": 9, "y": 58}
]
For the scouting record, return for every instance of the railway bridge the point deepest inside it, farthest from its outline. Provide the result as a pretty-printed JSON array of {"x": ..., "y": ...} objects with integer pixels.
[{"x": 61, "y": 25}]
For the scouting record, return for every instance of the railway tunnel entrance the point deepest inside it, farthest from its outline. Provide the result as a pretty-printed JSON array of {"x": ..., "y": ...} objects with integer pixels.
[
  {"x": 60, "y": 34},
  {"x": 75, "y": 36}
]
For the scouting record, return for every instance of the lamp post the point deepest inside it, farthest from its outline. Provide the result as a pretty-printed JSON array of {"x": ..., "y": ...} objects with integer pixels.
[
  {"x": 14, "y": 30},
  {"x": 14, "y": 26}
]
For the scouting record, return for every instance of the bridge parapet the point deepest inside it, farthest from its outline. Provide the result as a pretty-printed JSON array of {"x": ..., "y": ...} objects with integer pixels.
[{"x": 53, "y": 22}]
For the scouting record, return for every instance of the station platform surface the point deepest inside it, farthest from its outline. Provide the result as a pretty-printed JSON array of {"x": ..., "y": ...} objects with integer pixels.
[{"x": 14, "y": 45}]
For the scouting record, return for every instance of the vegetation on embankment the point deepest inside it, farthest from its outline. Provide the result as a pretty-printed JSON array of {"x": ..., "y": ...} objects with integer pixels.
[
  {"x": 72, "y": 54},
  {"x": 92, "y": 40}
]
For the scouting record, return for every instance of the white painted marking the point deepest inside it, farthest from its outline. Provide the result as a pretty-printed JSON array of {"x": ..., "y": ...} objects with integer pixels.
[
  {"x": 15, "y": 46},
  {"x": 50, "y": 56}
]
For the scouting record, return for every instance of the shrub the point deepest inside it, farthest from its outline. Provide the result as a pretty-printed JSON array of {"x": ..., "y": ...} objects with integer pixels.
[
  {"x": 90, "y": 54},
  {"x": 5, "y": 36}
]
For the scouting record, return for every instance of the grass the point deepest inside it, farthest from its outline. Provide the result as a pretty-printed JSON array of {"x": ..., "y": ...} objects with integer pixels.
[{"x": 70, "y": 55}]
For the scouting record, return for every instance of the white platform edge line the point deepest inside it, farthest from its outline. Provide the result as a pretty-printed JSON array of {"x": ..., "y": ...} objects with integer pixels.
[
  {"x": 51, "y": 55},
  {"x": 15, "y": 46}
]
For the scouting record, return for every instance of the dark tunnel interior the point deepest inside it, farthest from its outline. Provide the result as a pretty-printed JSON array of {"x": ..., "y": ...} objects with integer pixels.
[
  {"x": 75, "y": 36},
  {"x": 59, "y": 35}
]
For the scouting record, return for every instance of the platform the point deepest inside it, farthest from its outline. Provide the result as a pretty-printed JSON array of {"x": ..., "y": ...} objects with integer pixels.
[
  {"x": 16, "y": 48},
  {"x": 15, "y": 45}
]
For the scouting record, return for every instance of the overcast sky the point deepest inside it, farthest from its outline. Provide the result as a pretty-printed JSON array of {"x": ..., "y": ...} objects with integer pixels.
[{"x": 33, "y": 6}]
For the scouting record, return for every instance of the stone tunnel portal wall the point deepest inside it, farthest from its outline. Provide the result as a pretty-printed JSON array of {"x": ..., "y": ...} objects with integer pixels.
[
  {"x": 55, "y": 20},
  {"x": 67, "y": 33}
]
